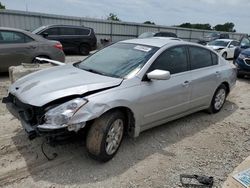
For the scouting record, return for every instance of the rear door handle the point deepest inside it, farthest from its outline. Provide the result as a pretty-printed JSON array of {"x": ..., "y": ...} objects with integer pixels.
[{"x": 186, "y": 83}]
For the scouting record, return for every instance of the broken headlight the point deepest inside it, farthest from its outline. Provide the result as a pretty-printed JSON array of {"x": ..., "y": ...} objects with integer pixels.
[{"x": 61, "y": 114}]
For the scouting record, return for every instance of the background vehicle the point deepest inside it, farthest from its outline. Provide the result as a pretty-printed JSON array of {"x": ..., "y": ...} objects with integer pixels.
[
  {"x": 213, "y": 36},
  {"x": 243, "y": 63},
  {"x": 244, "y": 44},
  {"x": 127, "y": 87},
  {"x": 18, "y": 46},
  {"x": 158, "y": 34},
  {"x": 73, "y": 38},
  {"x": 225, "y": 47}
]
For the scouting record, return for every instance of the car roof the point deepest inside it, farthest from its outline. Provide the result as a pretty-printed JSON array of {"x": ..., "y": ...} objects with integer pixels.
[
  {"x": 62, "y": 25},
  {"x": 156, "y": 41}
]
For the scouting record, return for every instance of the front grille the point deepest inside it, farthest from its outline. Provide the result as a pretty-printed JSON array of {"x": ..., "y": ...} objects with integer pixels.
[
  {"x": 247, "y": 61},
  {"x": 30, "y": 114}
]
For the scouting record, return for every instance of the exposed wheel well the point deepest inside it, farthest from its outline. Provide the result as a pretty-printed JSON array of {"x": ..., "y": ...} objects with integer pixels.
[
  {"x": 227, "y": 86},
  {"x": 130, "y": 124}
]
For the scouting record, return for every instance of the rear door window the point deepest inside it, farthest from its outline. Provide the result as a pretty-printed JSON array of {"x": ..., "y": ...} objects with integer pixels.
[
  {"x": 200, "y": 57},
  {"x": 9, "y": 37}
]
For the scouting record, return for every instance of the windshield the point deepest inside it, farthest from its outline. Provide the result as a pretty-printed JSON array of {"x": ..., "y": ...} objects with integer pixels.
[
  {"x": 38, "y": 29},
  {"x": 118, "y": 60},
  {"x": 245, "y": 41},
  {"x": 211, "y": 35},
  {"x": 146, "y": 35},
  {"x": 218, "y": 43}
]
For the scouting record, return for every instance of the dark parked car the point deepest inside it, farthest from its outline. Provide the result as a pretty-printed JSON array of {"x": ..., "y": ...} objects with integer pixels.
[
  {"x": 213, "y": 36},
  {"x": 243, "y": 63},
  {"x": 19, "y": 46},
  {"x": 244, "y": 44},
  {"x": 158, "y": 34},
  {"x": 73, "y": 38}
]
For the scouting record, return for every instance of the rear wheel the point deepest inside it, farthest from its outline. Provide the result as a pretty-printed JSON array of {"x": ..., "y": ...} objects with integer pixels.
[
  {"x": 105, "y": 136},
  {"x": 219, "y": 99},
  {"x": 84, "y": 49}
]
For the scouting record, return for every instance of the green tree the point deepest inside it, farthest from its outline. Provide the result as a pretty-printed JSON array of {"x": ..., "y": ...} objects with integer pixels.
[
  {"x": 113, "y": 17},
  {"x": 2, "y": 6},
  {"x": 149, "y": 22},
  {"x": 227, "y": 27},
  {"x": 196, "y": 26}
]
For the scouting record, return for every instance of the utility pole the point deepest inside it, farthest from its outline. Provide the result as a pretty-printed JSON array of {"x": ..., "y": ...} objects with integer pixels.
[{"x": 26, "y": 6}]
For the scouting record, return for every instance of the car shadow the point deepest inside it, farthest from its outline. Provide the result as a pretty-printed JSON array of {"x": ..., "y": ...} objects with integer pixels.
[{"x": 74, "y": 165}]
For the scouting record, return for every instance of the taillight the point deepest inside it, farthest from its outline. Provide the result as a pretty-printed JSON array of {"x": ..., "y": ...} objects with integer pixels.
[{"x": 58, "y": 46}]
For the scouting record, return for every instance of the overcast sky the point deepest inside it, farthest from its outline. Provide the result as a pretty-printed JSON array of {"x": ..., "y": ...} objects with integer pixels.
[{"x": 163, "y": 12}]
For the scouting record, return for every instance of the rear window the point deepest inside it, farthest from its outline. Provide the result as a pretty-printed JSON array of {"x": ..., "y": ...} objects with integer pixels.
[
  {"x": 165, "y": 34},
  {"x": 7, "y": 37}
]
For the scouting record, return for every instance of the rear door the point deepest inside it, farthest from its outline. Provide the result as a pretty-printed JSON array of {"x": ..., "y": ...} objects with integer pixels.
[
  {"x": 68, "y": 38},
  {"x": 15, "y": 48},
  {"x": 205, "y": 76}
]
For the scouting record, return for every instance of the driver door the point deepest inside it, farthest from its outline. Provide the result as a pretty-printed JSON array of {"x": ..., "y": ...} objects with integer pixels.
[{"x": 163, "y": 99}]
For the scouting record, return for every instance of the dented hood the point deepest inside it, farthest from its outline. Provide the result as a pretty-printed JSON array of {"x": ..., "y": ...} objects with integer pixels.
[{"x": 44, "y": 86}]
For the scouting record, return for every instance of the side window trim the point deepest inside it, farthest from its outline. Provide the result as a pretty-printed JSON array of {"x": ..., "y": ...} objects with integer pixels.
[
  {"x": 193, "y": 46},
  {"x": 24, "y": 37}
]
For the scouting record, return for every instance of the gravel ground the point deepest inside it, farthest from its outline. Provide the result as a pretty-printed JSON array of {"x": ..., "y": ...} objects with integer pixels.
[{"x": 197, "y": 144}]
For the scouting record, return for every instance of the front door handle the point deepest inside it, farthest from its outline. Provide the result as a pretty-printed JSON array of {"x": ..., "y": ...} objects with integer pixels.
[
  {"x": 186, "y": 83},
  {"x": 217, "y": 73}
]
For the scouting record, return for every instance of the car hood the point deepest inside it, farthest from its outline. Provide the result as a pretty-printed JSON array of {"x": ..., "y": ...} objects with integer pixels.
[
  {"x": 216, "y": 47},
  {"x": 246, "y": 52},
  {"x": 45, "y": 86}
]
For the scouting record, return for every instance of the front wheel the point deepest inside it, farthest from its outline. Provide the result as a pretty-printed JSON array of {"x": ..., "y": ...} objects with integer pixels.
[
  {"x": 224, "y": 55},
  {"x": 105, "y": 136},
  {"x": 219, "y": 99}
]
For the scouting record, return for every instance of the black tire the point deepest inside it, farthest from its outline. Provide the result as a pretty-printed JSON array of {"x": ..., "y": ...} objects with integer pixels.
[
  {"x": 213, "y": 109},
  {"x": 224, "y": 55},
  {"x": 97, "y": 136},
  {"x": 84, "y": 49},
  {"x": 239, "y": 75}
]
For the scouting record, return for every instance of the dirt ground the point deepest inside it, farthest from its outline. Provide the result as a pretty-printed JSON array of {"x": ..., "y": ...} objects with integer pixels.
[{"x": 204, "y": 144}]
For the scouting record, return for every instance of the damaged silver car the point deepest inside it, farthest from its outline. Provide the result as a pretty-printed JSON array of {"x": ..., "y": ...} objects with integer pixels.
[{"x": 127, "y": 87}]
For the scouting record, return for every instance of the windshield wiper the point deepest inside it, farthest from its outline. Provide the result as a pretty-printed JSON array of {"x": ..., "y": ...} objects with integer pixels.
[{"x": 94, "y": 71}]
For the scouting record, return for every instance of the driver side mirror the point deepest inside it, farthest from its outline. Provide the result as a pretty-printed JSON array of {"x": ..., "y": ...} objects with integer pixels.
[
  {"x": 231, "y": 46},
  {"x": 159, "y": 75},
  {"x": 45, "y": 34}
]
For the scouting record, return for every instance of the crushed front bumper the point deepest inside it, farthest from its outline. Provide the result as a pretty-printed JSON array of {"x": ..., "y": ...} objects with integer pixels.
[{"x": 26, "y": 115}]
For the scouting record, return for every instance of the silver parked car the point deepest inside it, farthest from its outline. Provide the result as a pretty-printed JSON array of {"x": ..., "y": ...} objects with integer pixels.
[
  {"x": 127, "y": 87},
  {"x": 19, "y": 46}
]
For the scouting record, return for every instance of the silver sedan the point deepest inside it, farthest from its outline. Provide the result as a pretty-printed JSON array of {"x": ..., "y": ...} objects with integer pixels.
[{"x": 127, "y": 87}]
